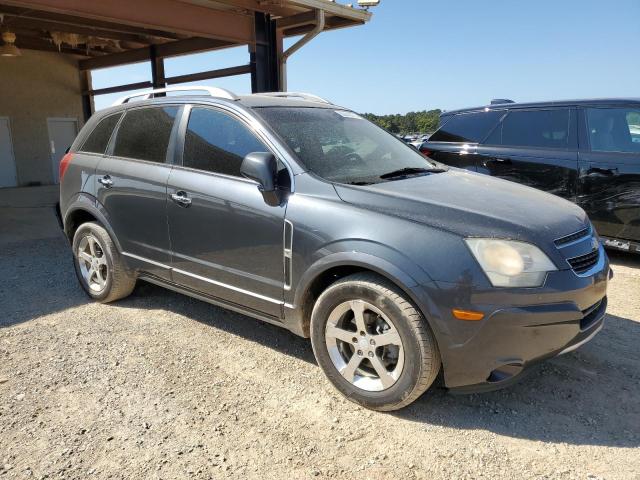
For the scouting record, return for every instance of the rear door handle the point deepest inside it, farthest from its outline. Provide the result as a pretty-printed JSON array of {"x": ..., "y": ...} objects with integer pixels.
[
  {"x": 106, "y": 181},
  {"x": 601, "y": 172},
  {"x": 501, "y": 161},
  {"x": 181, "y": 198}
]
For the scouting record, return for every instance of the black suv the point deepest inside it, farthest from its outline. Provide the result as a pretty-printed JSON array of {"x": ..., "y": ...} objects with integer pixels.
[
  {"x": 303, "y": 214},
  {"x": 587, "y": 151}
]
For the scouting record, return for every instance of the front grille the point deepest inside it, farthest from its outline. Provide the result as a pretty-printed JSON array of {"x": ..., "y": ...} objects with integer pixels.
[
  {"x": 584, "y": 262},
  {"x": 574, "y": 236}
]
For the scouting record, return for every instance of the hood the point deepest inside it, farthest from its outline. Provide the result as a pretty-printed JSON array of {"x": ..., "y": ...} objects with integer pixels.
[{"x": 472, "y": 205}]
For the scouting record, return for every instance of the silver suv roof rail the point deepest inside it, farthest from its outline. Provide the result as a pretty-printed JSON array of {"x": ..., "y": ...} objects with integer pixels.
[
  {"x": 304, "y": 96},
  {"x": 212, "y": 91}
]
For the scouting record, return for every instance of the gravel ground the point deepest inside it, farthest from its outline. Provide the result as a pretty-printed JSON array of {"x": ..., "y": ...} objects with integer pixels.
[{"x": 163, "y": 386}]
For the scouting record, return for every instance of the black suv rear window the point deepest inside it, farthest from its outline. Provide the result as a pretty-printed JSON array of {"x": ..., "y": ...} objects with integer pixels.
[
  {"x": 98, "y": 139},
  {"x": 144, "y": 133},
  {"x": 467, "y": 127}
]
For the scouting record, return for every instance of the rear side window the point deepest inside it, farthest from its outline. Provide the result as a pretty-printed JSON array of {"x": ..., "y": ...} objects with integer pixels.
[
  {"x": 467, "y": 127},
  {"x": 98, "y": 139},
  {"x": 614, "y": 129},
  {"x": 216, "y": 142},
  {"x": 144, "y": 133},
  {"x": 536, "y": 128}
]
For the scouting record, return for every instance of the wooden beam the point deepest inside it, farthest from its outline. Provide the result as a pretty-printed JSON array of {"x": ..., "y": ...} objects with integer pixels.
[
  {"x": 130, "y": 56},
  {"x": 197, "y": 77},
  {"x": 33, "y": 43},
  {"x": 164, "y": 15},
  {"x": 332, "y": 23},
  {"x": 119, "y": 88},
  {"x": 305, "y": 18},
  {"x": 71, "y": 20},
  {"x": 354, "y": 15},
  {"x": 280, "y": 9},
  {"x": 44, "y": 25},
  {"x": 171, "y": 49}
]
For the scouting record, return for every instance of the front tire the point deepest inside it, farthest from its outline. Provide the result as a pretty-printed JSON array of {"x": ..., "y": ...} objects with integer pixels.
[
  {"x": 372, "y": 343},
  {"x": 99, "y": 267}
]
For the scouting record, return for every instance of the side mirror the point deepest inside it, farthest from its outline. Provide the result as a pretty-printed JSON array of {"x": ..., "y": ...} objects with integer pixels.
[{"x": 262, "y": 167}]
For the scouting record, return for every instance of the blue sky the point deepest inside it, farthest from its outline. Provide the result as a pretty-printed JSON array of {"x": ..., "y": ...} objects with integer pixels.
[{"x": 423, "y": 54}]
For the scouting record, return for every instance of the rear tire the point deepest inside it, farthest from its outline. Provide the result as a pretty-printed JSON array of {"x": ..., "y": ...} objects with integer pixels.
[
  {"x": 372, "y": 343},
  {"x": 99, "y": 267}
]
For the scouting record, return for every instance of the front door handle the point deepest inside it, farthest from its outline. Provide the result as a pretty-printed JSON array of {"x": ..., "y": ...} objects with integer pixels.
[
  {"x": 181, "y": 198},
  {"x": 106, "y": 181}
]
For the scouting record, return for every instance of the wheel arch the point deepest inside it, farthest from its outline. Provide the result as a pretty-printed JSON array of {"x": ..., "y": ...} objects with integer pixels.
[
  {"x": 332, "y": 268},
  {"x": 85, "y": 208}
]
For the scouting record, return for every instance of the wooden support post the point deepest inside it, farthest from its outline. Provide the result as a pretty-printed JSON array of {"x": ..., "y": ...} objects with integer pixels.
[
  {"x": 87, "y": 98},
  {"x": 157, "y": 68}
]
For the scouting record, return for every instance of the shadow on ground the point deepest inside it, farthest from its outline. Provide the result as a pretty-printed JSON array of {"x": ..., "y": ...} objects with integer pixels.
[{"x": 567, "y": 399}]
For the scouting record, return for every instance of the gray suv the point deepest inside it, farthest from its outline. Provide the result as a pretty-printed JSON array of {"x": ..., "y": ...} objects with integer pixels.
[{"x": 300, "y": 213}]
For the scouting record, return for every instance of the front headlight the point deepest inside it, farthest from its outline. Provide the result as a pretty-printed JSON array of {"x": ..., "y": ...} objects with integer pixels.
[{"x": 509, "y": 263}]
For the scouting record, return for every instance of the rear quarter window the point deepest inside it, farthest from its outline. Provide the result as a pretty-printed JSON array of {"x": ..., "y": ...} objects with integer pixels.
[
  {"x": 98, "y": 139},
  {"x": 467, "y": 127},
  {"x": 144, "y": 133}
]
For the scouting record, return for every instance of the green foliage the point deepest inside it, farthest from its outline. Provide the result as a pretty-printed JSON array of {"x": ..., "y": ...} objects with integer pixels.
[{"x": 412, "y": 122}]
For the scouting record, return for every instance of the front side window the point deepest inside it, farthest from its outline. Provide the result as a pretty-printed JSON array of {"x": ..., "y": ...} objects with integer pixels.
[
  {"x": 614, "y": 129},
  {"x": 467, "y": 127},
  {"x": 216, "y": 142},
  {"x": 98, "y": 139},
  {"x": 536, "y": 128},
  {"x": 144, "y": 133},
  {"x": 341, "y": 146}
]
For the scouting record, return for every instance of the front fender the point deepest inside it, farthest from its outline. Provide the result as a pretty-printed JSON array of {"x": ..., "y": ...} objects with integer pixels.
[{"x": 394, "y": 267}]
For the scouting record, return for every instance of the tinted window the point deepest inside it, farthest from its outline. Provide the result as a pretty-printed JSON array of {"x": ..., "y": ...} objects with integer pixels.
[
  {"x": 614, "y": 129},
  {"x": 98, "y": 139},
  {"x": 218, "y": 143},
  {"x": 467, "y": 127},
  {"x": 144, "y": 133},
  {"x": 536, "y": 128}
]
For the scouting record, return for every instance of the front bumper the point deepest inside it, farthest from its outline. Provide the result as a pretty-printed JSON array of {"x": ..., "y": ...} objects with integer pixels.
[{"x": 521, "y": 326}]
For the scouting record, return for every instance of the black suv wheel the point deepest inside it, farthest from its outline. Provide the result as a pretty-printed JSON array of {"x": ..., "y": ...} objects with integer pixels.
[
  {"x": 372, "y": 343},
  {"x": 98, "y": 264}
]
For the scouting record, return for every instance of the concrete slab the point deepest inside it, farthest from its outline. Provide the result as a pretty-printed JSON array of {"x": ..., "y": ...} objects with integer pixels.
[{"x": 29, "y": 197}]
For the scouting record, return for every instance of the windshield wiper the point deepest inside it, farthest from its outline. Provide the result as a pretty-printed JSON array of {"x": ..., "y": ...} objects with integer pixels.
[{"x": 403, "y": 172}]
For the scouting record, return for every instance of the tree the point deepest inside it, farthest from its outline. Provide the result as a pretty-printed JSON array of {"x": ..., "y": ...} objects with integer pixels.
[{"x": 425, "y": 121}]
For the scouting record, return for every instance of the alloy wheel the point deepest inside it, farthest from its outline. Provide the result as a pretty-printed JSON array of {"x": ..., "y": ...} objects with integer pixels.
[
  {"x": 93, "y": 263},
  {"x": 364, "y": 345}
]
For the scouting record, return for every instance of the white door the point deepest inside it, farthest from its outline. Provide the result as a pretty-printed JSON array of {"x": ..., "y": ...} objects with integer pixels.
[
  {"x": 62, "y": 133},
  {"x": 8, "y": 176}
]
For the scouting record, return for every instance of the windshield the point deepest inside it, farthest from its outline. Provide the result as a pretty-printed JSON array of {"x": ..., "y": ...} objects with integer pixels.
[{"x": 341, "y": 146}]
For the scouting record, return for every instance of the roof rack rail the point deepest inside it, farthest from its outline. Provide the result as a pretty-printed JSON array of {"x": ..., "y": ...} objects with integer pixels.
[
  {"x": 304, "y": 96},
  {"x": 499, "y": 101},
  {"x": 212, "y": 91}
]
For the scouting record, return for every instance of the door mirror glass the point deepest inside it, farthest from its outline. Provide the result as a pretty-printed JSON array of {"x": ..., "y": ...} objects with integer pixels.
[{"x": 262, "y": 168}]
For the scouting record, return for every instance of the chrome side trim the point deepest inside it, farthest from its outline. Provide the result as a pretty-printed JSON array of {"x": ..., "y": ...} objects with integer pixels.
[
  {"x": 579, "y": 344},
  {"x": 205, "y": 279},
  {"x": 146, "y": 260},
  {"x": 230, "y": 287}
]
